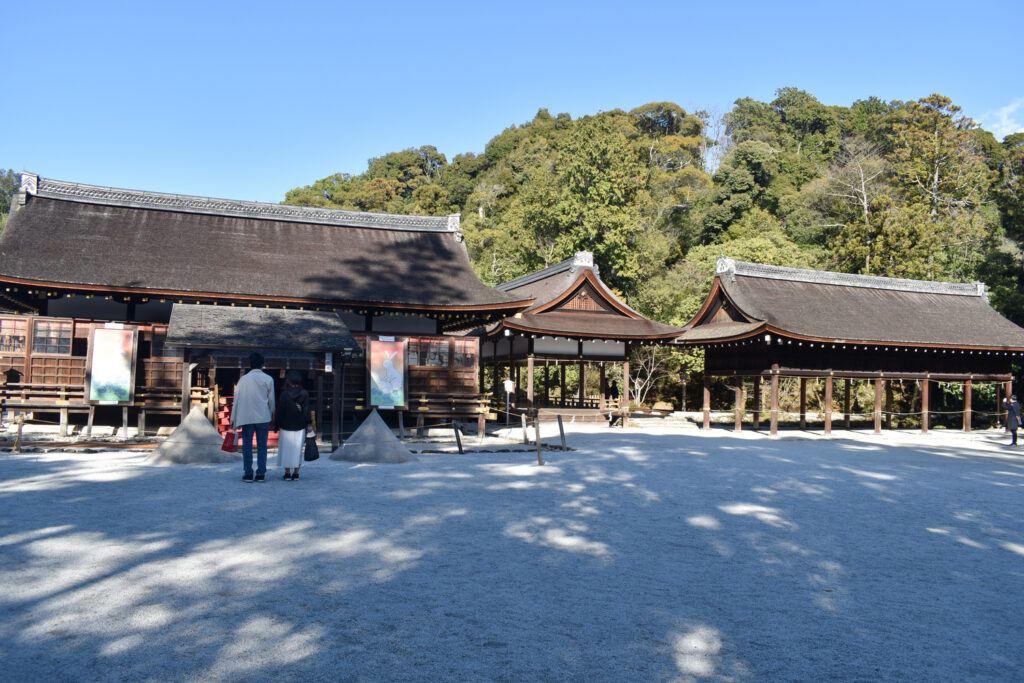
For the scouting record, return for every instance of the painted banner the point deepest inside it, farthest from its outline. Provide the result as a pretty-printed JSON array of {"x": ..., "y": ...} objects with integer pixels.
[
  {"x": 111, "y": 370},
  {"x": 387, "y": 373}
]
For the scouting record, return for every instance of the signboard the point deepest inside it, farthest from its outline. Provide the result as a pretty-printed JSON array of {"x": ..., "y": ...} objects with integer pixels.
[
  {"x": 387, "y": 373},
  {"x": 110, "y": 369}
]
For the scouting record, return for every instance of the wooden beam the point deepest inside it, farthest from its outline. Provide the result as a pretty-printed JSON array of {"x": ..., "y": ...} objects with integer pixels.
[
  {"x": 757, "y": 402},
  {"x": 846, "y": 403},
  {"x": 775, "y": 403},
  {"x": 968, "y": 387},
  {"x": 828, "y": 405},
  {"x": 706, "y": 405},
  {"x": 738, "y": 390},
  {"x": 925, "y": 404},
  {"x": 878, "y": 406},
  {"x": 803, "y": 403}
]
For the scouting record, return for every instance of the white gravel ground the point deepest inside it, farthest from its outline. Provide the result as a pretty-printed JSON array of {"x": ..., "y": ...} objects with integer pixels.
[{"x": 644, "y": 555}]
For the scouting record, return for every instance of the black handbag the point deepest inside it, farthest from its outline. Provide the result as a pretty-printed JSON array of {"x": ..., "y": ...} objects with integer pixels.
[{"x": 312, "y": 451}]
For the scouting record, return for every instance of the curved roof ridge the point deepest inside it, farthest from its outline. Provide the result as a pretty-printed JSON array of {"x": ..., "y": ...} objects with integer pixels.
[
  {"x": 727, "y": 267},
  {"x": 142, "y": 199},
  {"x": 581, "y": 259}
]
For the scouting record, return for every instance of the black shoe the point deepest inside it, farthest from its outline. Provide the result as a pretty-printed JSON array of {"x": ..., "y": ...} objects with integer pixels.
[
  {"x": 261, "y": 477},
  {"x": 287, "y": 476},
  {"x": 247, "y": 478},
  {"x": 295, "y": 475}
]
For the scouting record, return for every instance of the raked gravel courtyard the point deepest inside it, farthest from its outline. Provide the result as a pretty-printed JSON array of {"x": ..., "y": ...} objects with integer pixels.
[{"x": 645, "y": 554}]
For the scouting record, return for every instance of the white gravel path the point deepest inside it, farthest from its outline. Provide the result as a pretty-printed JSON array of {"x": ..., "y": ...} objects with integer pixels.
[{"x": 644, "y": 555}]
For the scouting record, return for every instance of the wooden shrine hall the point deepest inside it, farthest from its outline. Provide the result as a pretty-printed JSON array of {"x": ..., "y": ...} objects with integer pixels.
[
  {"x": 77, "y": 258},
  {"x": 574, "y": 319},
  {"x": 767, "y": 322}
]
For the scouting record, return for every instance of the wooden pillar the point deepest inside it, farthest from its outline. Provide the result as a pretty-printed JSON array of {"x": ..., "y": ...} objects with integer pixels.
[
  {"x": 925, "y": 404},
  {"x": 625, "y": 394},
  {"x": 706, "y": 406},
  {"x": 846, "y": 403},
  {"x": 803, "y": 403},
  {"x": 318, "y": 421},
  {"x": 186, "y": 385},
  {"x": 583, "y": 384},
  {"x": 878, "y": 406},
  {"x": 529, "y": 381},
  {"x": 828, "y": 405},
  {"x": 561, "y": 384},
  {"x": 968, "y": 387},
  {"x": 547, "y": 384},
  {"x": 757, "y": 402},
  {"x": 336, "y": 410},
  {"x": 775, "y": 400},
  {"x": 888, "y": 404},
  {"x": 604, "y": 389},
  {"x": 738, "y": 390}
]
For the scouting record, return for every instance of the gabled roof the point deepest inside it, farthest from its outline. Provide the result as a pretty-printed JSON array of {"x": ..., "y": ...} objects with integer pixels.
[
  {"x": 236, "y": 327},
  {"x": 89, "y": 237},
  {"x": 570, "y": 300},
  {"x": 749, "y": 298}
]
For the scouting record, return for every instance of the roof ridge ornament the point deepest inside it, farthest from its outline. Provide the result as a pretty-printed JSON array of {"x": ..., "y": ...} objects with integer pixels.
[
  {"x": 29, "y": 183},
  {"x": 726, "y": 266}
]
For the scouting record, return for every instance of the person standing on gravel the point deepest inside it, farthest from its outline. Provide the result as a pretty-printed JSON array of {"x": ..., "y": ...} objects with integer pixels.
[
  {"x": 293, "y": 418},
  {"x": 1012, "y": 417},
  {"x": 252, "y": 410}
]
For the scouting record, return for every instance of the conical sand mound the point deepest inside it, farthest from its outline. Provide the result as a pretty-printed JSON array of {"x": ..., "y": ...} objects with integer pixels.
[
  {"x": 195, "y": 441},
  {"x": 373, "y": 442}
]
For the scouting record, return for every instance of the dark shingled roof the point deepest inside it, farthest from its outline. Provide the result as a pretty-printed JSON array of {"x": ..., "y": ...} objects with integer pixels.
[
  {"x": 840, "y": 307},
  {"x": 555, "y": 288},
  {"x": 237, "y": 327},
  {"x": 82, "y": 236}
]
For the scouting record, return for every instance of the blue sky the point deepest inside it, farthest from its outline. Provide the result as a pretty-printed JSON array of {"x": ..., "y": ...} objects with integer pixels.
[{"x": 248, "y": 100}]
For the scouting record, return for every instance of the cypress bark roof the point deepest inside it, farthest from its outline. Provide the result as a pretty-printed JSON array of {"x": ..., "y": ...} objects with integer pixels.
[
  {"x": 235, "y": 327},
  {"x": 570, "y": 300},
  {"x": 747, "y": 298},
  {"x": 82, "y": 236}
]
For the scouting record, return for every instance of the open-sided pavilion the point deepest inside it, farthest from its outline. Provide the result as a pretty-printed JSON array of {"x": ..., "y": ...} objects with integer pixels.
[
  {"x": 768, "y": 322},
  {"x": 574, "y": 319}
]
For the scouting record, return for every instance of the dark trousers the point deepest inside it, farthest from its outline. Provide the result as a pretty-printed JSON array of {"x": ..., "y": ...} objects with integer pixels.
[{"x": 260, "y": 430}]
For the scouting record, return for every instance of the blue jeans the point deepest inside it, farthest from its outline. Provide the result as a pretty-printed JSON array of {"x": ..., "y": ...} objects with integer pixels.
[{"x": 261, "y": 430}]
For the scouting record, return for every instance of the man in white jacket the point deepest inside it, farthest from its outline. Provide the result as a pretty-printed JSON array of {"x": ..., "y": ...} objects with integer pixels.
[{"x": 252, "y": 410}]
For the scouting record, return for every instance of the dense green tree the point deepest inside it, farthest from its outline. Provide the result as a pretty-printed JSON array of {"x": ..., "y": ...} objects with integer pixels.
[{"x": 10, "y": 181}]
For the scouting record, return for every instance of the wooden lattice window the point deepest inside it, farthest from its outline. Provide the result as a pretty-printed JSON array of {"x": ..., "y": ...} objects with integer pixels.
[
  {"x": 13, "y": 334},
  {"x": 51, "y": 336},
  {"x": 465, "y": 353},
  {"x": 434, "y": 353}
]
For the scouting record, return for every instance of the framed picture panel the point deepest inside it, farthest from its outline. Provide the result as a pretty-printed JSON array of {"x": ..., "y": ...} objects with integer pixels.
[
  {"x": 387, "y": 372},
  {"x": 110, "y": 367}
]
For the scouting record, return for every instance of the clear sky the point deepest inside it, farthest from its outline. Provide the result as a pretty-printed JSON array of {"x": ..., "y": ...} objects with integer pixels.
[{"x": 246, "y": 100}]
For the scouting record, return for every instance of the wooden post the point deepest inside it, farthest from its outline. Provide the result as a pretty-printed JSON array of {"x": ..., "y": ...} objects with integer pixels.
[
  {"x": 529, "y": 382},
  {"x": 335, "y": 410},
  {"x": 186, "y": 386},
  {"x": 803, "y": 403},
  {"x": 583, "y": 385},
  {"x": 536, "y": 431},
  {"x": 142, "y": 421},
  {"x": 878, "y": 406},
  {"x": 828, "y": 405},
  {"x": 775, "y": 400},
  {"x": 319, "y": 403},
  {"x": 481, "y": 426},
  {"x": 547, "y": 384},
  {"x": 561, "y": 432},
  {"x": 526, "y": 437},
  {"x": 603, "y": 400},
  {"x": 561, "y": 385},
  {"x": 888, "y": 404},
  {"x": 846, "y": 402},
  {"x": 401, "y": 425},
  {"x": 458, "y": 436},
  {"x": 968, "y": 387},
  {"x": 757, "y": 402},
  {"x": 738, "y": 391},
  {"x": 625, "y": 392},
  {"x": 925, "y": 404},
  {"x": 706, "y": 406},
  {"x": 88, "y": 424},
  {"x": 124, "y": 421}
]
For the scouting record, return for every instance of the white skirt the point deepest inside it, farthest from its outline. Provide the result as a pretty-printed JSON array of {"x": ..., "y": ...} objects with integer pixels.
[{"x": 289, "y": 447}]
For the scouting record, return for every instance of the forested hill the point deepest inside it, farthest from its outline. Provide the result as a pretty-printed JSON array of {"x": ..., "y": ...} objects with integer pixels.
[{"x": 905, "y": 189}]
